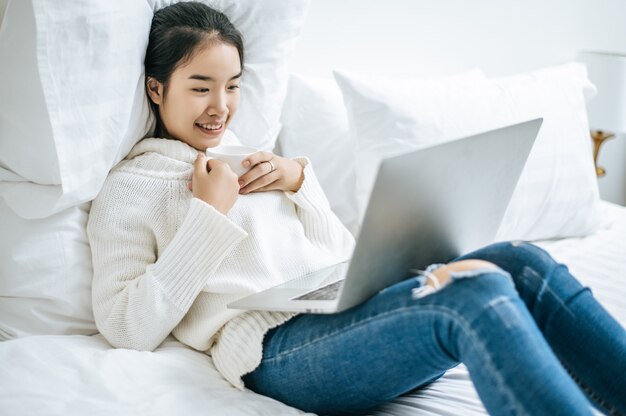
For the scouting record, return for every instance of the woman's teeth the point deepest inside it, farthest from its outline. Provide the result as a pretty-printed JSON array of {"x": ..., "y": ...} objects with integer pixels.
[{"x": 210, "y": 126}]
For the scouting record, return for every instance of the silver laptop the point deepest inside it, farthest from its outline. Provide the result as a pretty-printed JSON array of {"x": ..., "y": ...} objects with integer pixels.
[{"x": 427, "y": 206}]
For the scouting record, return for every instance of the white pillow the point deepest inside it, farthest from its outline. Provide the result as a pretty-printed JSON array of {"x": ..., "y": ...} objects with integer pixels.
[
  {"x": 45, "y": 274},
  {"x": 315, "y": 124},
  {"x": 73, "y": 75},
  {"x": 73, "y": 101},
  {"x": 557, "y": 195}
]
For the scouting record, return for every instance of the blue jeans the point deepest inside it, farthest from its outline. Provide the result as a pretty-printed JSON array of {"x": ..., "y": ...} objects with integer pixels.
[{"x": 518, "y": 342}]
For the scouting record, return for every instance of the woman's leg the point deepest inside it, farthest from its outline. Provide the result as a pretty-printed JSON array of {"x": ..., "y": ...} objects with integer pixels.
[
  {"x": 588, "y": 341},
  {"x": 395, "y": 342}
]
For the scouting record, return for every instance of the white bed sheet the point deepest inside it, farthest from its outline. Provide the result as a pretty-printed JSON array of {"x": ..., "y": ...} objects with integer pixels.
[{"x": 82, "y": 375}]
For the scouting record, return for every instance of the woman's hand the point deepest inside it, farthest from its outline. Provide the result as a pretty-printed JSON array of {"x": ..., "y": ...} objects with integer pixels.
[
  {"x": 270, "y": 173},
  {"x": 215, "y": 183}
]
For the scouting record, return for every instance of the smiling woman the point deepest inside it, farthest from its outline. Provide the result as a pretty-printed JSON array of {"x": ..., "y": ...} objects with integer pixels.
[{"x": 168, "y": 260}]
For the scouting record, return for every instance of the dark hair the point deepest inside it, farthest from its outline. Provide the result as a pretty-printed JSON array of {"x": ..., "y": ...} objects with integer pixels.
[{"x": 176, "y": 34}]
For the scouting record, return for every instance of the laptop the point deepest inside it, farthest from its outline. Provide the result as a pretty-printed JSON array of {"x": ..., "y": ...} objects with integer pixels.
[{"x": 427, "y": 206}]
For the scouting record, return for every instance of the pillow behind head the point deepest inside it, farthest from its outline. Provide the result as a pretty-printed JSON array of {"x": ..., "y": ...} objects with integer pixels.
[{"x": 83, "y": 105}]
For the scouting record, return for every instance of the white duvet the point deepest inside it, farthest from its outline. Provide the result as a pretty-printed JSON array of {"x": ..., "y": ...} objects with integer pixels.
[{"x": 81, "y": 375}]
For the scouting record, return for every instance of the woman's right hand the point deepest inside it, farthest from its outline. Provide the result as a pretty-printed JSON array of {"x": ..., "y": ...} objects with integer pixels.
[{"x": 215, "y": 183}]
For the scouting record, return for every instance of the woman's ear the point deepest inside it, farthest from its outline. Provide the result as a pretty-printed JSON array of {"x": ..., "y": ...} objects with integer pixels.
[{"x": 155, "y": 90}]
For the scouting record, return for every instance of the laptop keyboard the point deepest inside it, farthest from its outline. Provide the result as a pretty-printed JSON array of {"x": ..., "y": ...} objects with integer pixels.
[{"x": 328, "y": 292}]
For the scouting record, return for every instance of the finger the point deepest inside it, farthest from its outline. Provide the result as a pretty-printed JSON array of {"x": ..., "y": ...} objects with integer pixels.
[
  {"x": 256, "y": 158},
  {"x": 199, "y": 165},
  {"x": 213, "y": 163},
  {"x": 260, "y": 170},
  {"x": 274, "y": 186},
  {"x": 265, "y": 181}
]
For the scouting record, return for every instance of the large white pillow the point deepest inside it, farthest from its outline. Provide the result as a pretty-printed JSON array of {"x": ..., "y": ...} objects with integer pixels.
[
  {"x": 557, "y": 195},
  {"x": 315, "y": 124},
  {"x": 72, "y": 72},
  {"x": 73, "y": 101}
]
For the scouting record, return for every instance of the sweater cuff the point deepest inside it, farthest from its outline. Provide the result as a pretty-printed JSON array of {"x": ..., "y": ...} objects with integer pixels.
[
  {"x": 204, "y": 239},
  {"x": 310, "y": 195}
]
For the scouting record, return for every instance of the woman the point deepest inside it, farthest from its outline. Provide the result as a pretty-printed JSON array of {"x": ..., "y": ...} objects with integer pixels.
[{"x": 175, "y": 237}]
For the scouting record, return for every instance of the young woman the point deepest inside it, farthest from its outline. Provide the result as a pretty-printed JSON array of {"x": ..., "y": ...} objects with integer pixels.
[{"x": 175, "y": 237}]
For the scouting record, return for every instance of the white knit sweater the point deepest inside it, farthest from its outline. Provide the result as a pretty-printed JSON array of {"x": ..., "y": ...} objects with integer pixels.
[{"x": 167, "y": 262}]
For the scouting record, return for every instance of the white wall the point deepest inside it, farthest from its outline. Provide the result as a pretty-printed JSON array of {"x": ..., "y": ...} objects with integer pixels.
[
  {"x": 3, "y": 5},
  {"x": 430, "y": 38},
  {"x": 434, "y": 37}
]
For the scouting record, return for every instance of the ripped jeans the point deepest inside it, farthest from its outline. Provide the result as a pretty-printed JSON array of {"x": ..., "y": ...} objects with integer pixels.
[{"x": 519, "y": 342}]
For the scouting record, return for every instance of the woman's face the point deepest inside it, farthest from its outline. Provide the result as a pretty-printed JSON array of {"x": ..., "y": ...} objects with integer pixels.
[{"x": 202, "y": 96}]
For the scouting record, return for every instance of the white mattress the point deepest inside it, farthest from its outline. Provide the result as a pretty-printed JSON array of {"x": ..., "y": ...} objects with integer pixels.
[{"x": 81, "y": 375}]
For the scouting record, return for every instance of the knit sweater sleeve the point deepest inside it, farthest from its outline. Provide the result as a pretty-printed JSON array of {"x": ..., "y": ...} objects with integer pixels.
[
  {"x": 143, "y": 284},
  {"x": 321, "y": 225}
]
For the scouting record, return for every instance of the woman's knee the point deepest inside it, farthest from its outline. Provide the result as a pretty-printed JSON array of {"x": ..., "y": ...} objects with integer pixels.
[
  {"x": 469, "y": 296},
  {"x": 480, "y": 278},
  {"x": 513, "y": 256},
  {"x": 443, "y": 273}
]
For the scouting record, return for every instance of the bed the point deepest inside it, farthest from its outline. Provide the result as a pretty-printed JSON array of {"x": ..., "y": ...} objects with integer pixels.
[
  {"x": 77, "y": 374},
  {"x": 53, "y": 361}
]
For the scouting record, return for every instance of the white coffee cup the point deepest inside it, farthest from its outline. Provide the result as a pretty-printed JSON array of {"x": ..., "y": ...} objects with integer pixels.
[{"x": 232, "y": 156}]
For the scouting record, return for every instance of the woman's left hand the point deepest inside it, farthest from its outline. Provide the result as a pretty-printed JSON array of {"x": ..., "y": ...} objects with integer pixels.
[{"x": 270, "y": 172}]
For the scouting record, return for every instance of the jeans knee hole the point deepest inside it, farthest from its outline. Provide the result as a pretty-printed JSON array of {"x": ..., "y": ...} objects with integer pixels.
[
  {"x": 453, "y": 275},
  {"x": 464, "y": 274},
  {"x": 424, "y": 289}
]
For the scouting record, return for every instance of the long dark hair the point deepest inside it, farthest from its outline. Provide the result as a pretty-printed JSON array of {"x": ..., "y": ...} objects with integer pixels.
[{"x": 176, "y": 34}]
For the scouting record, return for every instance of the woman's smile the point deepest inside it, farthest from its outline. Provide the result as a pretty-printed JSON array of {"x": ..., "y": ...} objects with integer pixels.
[{"x": 212, "y": 130}]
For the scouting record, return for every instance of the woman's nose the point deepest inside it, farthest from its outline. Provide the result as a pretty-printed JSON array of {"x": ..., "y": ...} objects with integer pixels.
[{"x": 217, "y": 105}]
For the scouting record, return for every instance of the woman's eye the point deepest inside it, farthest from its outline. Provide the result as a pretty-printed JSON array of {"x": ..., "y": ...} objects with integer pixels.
[
  {"x": 201, "y": 89},
  {"x": 233, "y": 87}
]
